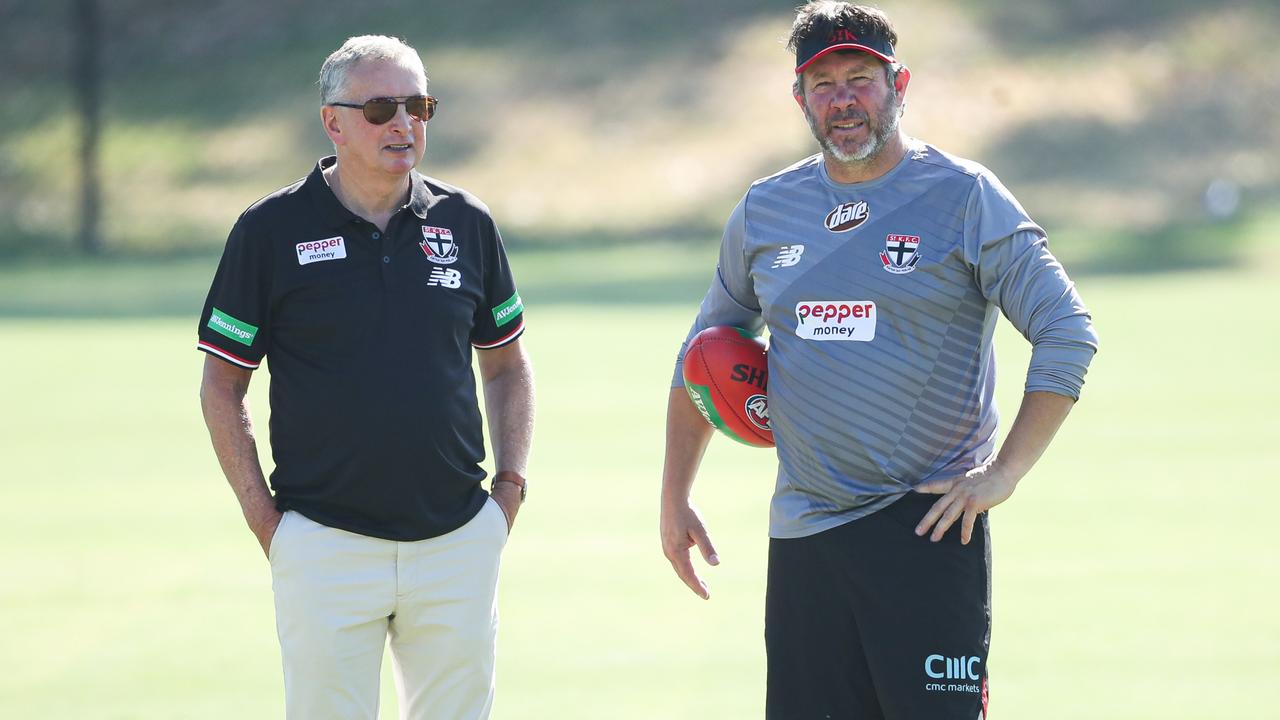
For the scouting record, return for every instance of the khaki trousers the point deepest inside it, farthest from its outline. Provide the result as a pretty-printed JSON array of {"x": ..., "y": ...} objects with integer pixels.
[{"x": 340, "y": 595}]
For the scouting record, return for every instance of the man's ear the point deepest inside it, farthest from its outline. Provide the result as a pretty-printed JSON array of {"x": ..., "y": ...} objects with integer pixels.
[
  {"x": 901, "y": 81},
  {"x": 332, "y": 128}
]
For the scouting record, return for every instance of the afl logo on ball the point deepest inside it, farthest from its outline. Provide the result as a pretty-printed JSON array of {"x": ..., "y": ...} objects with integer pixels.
[
  {"x": 757, "y": 408},
  {"x": 847, "y": 216}
]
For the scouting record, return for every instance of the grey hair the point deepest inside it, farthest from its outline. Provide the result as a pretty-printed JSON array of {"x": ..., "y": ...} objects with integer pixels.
[{"x": 336, "y": 67}]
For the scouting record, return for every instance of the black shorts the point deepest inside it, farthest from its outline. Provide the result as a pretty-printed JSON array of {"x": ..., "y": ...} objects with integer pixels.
[{"x": 866, "y": 620}]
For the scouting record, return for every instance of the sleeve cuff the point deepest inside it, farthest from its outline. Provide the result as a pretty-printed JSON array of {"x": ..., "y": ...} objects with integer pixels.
[
  {"x": 229, "y": 357},
  {"x": 505, "y": 339}
]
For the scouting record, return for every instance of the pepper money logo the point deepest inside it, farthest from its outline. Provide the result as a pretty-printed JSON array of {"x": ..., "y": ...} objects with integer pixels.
[
  {"x": 320, "y": 250},
  {"x": 836, "y": 320},
  {"x": 846, "y": 217}
]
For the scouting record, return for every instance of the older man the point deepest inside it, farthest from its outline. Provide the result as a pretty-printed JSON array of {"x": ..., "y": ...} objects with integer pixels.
[
  {"x": 878, "y": 590},
  {"x": 366, "y": 285}
]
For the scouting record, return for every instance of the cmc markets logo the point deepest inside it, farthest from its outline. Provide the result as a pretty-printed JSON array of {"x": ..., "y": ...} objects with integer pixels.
[
  {"x": 847, "y": 216},
  {"x": 955, "y": 674}
]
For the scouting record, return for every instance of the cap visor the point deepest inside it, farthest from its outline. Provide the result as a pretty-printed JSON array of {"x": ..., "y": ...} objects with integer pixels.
[{"x": 846, "y": 46}]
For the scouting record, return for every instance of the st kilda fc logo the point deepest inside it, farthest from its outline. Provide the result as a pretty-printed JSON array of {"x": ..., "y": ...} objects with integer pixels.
[
  {"x": 438, "y": 244},
  {"x": 846, "y": 217},
  {"x": 900, "y": 253}
]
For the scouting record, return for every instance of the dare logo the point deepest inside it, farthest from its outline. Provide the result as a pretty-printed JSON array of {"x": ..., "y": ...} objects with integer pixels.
[{"x": 846, "y": 217}]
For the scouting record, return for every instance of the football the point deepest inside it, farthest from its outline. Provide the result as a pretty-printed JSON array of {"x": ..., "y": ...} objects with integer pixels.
[{"x": 726, "y": 373}]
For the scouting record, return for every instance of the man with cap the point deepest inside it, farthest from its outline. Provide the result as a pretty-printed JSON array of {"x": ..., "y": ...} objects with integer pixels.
[
  {"x": 366, "y": 286},
  {"x": 878, "y": 599}
]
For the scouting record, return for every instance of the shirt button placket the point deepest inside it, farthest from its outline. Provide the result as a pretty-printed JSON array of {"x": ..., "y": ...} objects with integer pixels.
[{"x": 386, "y": 255}]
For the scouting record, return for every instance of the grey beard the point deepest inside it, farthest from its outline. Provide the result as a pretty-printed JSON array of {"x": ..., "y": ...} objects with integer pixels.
[{"x": 887, "y": 120}]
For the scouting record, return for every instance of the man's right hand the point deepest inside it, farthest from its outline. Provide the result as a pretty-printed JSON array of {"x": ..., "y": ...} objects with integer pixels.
[
  {"x": 223, "y": 399},
  {"x": 681, "y": 529},
  {"x": 265, "y": 530}
]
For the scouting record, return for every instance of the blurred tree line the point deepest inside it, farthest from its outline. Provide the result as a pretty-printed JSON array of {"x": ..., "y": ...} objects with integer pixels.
[{"x": 145, "y": 126}]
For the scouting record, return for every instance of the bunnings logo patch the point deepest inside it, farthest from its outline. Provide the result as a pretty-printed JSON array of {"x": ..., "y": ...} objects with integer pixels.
[
  {"x": 238, "y": 330},
  {"x": 508, "y": 310}
]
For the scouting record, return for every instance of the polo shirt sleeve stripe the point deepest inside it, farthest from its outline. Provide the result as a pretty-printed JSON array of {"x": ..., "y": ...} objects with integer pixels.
[
  {"x": 234, "y": 359},
  {"x": 517, "y": 332}
]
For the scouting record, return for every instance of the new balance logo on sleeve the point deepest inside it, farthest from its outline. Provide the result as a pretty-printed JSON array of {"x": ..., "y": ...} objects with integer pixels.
[{"x": 788, "y": 255}]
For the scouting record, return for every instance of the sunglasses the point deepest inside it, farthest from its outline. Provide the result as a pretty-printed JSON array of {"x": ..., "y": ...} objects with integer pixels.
[{"x": 379, "y": 111}]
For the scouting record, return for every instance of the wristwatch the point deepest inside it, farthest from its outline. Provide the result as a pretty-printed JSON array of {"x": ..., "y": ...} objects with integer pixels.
[{"x": 510, "y": 476}]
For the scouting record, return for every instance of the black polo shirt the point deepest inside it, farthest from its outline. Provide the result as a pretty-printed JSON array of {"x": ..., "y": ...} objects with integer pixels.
[{"x": 375, "y": 426}]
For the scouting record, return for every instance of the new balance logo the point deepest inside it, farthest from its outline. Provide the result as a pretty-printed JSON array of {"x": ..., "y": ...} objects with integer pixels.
[
  {"x": 444, "y": 277},
  {"x": 789, "y": 255}
]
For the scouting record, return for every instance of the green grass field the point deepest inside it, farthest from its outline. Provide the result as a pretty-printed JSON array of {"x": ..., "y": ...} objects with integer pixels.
[{"x": 1135, "y": 569}]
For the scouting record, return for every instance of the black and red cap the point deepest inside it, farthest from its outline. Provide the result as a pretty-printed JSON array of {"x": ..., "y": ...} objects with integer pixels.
[{"x": 839, "y": 37}]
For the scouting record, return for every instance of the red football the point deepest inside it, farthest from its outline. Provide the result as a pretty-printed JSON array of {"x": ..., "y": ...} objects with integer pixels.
[{"x": 726, "y": 372}]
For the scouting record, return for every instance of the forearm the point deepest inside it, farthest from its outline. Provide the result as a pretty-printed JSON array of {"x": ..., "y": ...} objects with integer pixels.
[
  {"x": 1038, "y": 420},
  {"x": 687, "y": 437},
  {"x": 509, "y": 399},
  {"x": 226, "y": 414}
]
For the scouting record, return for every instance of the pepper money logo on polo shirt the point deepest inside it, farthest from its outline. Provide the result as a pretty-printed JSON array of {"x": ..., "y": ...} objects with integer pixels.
[
  {"x": 438, "y": 244},
  {"x": 320, "y": 250},
  {"x": 836, "y": 320},
  {"x": 238, "y": 330}
]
